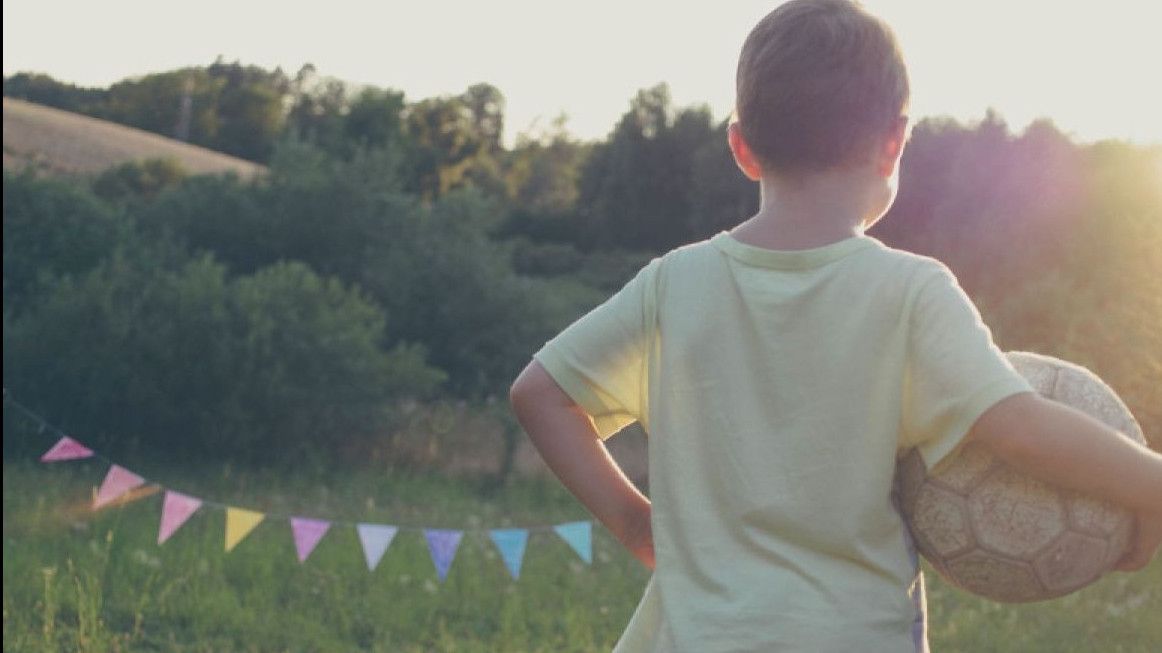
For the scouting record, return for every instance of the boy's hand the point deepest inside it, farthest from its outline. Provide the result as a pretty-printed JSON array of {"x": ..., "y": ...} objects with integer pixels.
[
  {"x": 1147, "y": 537},
  {"x": 565, "y": 436}
]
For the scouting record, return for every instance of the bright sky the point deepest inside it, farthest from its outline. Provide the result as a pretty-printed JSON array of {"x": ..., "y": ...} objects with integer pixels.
[{"x": 1094, "y": 68}]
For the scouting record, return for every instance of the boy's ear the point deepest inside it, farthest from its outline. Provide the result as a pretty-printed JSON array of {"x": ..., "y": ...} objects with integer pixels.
[
  {"x": 742, "y": 153},
  {"x": 893, "y": 147}
]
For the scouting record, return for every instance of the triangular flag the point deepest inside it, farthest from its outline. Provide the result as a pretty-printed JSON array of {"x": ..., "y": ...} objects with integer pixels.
[
  {"x": 579, "y": 535},
  {"x": 443, "y": 544},
  {"x": 307, "y": 533},
  {"x": 239, "y": 523},
  {"x": 66, "y": 449},
  {"x": 117, "y": 482},
  {"x": 375, "y": 539},
  {"x": 511, "y": 542},
  {"x": 175, "y": 510}
]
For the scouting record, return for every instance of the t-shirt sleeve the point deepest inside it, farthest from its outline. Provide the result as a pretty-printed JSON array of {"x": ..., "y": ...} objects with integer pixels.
[
  {"x": 954, "y": 371},
  {"x": 600, "y": 360}
]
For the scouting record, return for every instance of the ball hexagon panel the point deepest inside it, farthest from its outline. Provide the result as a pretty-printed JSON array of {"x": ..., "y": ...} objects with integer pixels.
[
  {"x": 997, "y": 578},
  {"x": 941, "y": 521},
  {"x": 973, "y": 464},
  {"x": 1042, "y": 377},
  {"x": 1074, "y": 388},
  {"x": 1014, "y": 515},
  {"x": 1074, "y": 560},
  {"x": 1095, "y": 517}
]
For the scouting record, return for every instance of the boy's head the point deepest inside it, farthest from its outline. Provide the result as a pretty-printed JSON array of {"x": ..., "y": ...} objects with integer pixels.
[{"x": 820, "y": 84}]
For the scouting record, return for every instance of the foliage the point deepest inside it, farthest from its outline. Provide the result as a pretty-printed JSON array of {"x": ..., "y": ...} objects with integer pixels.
[
  {"x": 187, "y": 359},
  {"x": 542, "y": 176},
  {"x": 53, "y": 228},
  {"x": 138, "y": 179},
  {"x": 448, "y": 285},
  {"x": 42, "y": 89},
  {"x": 478, "y": 252},
  {"x": 635, "y": 189},
  {"x": 228, "y": 107},
  {"x": 435, "y": 269},
  {"x": 453, "y": 141}
]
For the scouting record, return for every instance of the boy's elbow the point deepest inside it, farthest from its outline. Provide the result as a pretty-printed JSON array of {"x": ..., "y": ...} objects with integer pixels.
[{"x": 518, "y": 392}]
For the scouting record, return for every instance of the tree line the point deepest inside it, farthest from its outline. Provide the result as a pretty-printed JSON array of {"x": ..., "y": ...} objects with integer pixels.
[{"x": 398, "y": 251}]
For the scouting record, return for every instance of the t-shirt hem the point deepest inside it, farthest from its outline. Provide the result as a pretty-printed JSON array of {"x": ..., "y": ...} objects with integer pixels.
[
  {"x": 575, "y": 385},
  {"x": 934, "y": 453}
]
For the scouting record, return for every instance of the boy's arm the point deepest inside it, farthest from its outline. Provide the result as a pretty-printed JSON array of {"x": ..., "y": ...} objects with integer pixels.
[
  {"x": 565, "y": 437},
  {"x": 1067, "y": 448}
]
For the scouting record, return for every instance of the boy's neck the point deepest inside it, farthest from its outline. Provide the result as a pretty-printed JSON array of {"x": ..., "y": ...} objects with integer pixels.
[{"x": 808, "y": 211}]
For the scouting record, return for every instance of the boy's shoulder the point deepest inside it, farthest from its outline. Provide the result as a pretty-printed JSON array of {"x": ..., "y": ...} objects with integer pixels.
[{"x": 872, "y": 252}]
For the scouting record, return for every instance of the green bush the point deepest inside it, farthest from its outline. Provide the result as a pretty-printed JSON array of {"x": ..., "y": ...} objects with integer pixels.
[
  {"x": 436, "y": 269},
  {"x": 138, "y": 179},
  {"x": 190, "y": 361},
  {"x": 53, "y": 227}
]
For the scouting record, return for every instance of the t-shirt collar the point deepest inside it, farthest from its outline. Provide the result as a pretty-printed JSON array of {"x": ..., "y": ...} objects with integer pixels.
[{"x": 788, "y": 259}]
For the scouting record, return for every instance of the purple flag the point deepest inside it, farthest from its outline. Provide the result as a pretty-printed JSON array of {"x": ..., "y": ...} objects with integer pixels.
[
  {"x": 117, "y": 482},
  {"x": 66, "y": 449},
  {"x": 307, "y": 534},
  {"x": 375, "y": 541},
  {"x": 442, "y": 544},
  {"x": 175, "y": 510}
]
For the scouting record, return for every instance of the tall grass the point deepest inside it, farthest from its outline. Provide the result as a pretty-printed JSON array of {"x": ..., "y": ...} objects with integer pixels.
[{"x": 81, "y": 581}]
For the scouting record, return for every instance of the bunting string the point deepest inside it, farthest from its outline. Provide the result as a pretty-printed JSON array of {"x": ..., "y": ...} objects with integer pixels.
[{"x": 306, "y": 532}]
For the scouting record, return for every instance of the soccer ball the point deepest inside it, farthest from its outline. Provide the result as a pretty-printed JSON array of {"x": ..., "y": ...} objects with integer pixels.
[{"x": 996, "y": 533}]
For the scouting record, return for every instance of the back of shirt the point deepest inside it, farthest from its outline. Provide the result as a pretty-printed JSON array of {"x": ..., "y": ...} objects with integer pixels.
[{"x": 777, "y": 388}]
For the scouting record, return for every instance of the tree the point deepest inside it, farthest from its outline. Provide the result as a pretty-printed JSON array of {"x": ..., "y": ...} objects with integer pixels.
[
  {"x": 544, "y": 170},
  {"x": 138, "y": 179},
  {"x": 227, "y": 107},
  {"x": 318, "y": 106},
  {"x": 455, "y": 142},
  {"x": 53, "y": 228},
  {"x": 374, "y": 118},
  {"x": 154, "y": 103},
  {"x": 444, "y": 144},
  {"x": 190, "y": 361},
  {"x": 636, "y": 187},
  {"x": 249, "y": 104},
  {"x": 42, "y": 89},
  {"x": 721, "y": 196}
]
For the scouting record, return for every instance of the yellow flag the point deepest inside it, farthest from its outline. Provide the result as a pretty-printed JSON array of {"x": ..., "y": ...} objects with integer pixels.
[{"x": 239, "y": 523}]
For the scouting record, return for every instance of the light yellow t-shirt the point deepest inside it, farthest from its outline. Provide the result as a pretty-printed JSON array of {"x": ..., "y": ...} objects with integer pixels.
[{"x": 777, "y": 388}]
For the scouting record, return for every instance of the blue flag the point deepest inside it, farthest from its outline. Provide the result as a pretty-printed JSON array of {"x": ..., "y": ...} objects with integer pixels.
[
  {"x": 579, "y": 535},
  {"x": 511, "y": 542}
]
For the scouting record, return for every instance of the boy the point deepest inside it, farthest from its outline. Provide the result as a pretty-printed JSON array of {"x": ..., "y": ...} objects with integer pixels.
[{"x": 779, "y": 369}]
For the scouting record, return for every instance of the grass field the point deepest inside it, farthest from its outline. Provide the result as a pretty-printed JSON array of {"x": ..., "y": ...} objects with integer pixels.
[
  {"x": 79, "y": 581},
  {"x": 62, "y": 142}
]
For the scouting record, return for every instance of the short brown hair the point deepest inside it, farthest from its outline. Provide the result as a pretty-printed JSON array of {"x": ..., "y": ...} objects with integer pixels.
[{"x": 818, "y": 81}]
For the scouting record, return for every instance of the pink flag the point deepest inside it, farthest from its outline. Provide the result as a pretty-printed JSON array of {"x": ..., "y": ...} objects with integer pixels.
[
  {"x": 175, "y": 510},
  {"x": 66, "y": 449},
  {"x": 117, "y": 482},
  {"x": 307, "y": 534}
]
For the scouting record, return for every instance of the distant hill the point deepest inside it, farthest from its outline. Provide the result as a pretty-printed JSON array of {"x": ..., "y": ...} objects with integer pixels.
[{"x": 61, "y": 142}]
